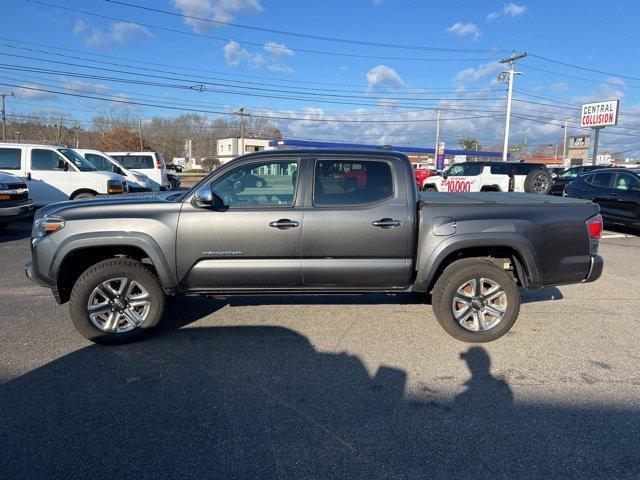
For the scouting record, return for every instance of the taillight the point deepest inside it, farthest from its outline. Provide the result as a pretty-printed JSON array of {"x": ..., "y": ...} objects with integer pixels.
[
  {"x": 594, "y": 226},
  {"x": 159, "y": 165}
]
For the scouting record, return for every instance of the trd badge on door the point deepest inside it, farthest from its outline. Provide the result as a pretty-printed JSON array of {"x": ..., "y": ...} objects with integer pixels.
[{"x": 234, "y": 253}]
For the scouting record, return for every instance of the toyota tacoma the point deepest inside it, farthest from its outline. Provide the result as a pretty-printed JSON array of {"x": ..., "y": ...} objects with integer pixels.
[{"x": 114, "y": 259}]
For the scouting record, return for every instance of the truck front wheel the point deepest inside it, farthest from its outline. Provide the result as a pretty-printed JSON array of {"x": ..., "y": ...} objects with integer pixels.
[
  {"x": 116, "y": 301},
  {"x": 475, "y": 301}
]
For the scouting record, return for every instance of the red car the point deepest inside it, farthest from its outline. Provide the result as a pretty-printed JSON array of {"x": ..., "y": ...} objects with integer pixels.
[{"x": 422, "y": 174}]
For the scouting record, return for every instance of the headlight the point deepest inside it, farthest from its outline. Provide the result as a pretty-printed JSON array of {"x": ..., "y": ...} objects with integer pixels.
[
  {"x": 46, "y": 225},
  {"x": 115, "y": 186}
]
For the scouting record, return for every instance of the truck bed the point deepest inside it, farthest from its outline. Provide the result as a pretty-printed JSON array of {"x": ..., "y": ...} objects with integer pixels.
[{"x": 495, "y": 198}]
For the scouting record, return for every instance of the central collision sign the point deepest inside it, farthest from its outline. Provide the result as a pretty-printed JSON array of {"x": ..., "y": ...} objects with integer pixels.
[{"x": 599, "y": 114}]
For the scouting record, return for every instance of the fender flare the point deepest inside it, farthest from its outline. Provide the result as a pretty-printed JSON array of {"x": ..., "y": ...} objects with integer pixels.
[
  {"x": 519, "y": 243},
  {"x": 127, "y": 239}
]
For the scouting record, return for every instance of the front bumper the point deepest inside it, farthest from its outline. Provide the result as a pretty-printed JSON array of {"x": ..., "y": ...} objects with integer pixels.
[
  {"x": 10, "y": 211},
  {"x": 595, "y": 270},
  {"x": 139, "y": 189},
  {"x": 31, "y": 274}
]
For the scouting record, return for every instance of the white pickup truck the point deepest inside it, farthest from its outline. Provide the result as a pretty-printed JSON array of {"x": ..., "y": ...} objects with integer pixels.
[{"x": 492, "y": 177}]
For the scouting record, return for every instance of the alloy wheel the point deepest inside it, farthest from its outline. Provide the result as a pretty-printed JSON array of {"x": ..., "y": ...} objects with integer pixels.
[
  {"x": 118, "y": 305},
  {"x": 479, "y": 304}
]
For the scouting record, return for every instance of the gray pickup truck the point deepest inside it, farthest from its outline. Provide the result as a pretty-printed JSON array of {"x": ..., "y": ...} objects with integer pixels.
[{"x": 324, "y": 221}]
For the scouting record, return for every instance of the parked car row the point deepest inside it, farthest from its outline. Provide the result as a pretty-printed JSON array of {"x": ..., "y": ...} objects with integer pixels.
[{"x": 46, "y": 174}]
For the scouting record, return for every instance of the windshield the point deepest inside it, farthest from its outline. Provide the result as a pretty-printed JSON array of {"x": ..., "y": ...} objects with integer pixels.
[{"x": 78, "y": 160}]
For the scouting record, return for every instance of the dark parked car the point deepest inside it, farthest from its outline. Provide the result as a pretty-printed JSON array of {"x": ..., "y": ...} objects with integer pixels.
[
  {"x": 616, "y": 190},
  {"x": 308, "y": 233},
  {"x": 562, "y": 180},
  {"x": 174, "y": 167},
  {"x": 14, "y": 199},
  {"x": 246, "y": 179}
]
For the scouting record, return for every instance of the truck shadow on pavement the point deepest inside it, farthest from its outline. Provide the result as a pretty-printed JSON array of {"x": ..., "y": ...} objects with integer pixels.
[{"x": 262, "y": 402}]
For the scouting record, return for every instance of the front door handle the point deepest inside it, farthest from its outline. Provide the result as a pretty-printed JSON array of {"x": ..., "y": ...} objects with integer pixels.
[
  {"x": 284, "y": 224},
  {"x": 387, "y": 223}
]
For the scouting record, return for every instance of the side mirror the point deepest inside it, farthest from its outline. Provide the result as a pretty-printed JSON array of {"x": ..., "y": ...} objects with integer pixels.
[
  {"x": 635, "y": 188},
  {"x": 205, "y": 198}
]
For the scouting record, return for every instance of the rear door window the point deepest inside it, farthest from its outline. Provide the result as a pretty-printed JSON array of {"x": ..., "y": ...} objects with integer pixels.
[
  {"x": 498, "y": 169},
  {"x": 352, "y": 183},
  {"x": 10, "y": 158},
  {"x": 136, "y": 161},
  {"x": 602, "y": 179}
]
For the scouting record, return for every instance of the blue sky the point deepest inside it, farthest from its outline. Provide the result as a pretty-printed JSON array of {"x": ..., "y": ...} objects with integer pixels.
[{"x": 341, "y": 87}]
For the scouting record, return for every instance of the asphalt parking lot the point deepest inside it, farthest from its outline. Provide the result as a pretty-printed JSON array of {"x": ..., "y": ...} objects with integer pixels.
[{"x": 325, "y": 387}]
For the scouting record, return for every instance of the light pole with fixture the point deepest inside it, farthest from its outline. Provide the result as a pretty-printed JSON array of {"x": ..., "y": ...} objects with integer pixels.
[{"x": 507, "y": 77}]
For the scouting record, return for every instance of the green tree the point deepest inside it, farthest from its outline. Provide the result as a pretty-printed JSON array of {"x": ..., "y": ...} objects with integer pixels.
[{"x": 468, "y": 143}]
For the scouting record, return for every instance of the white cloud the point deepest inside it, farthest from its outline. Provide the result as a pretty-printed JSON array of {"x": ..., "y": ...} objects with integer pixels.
[
  {"x": 473, "y": 74},
  {"x": 513, "y": 10},
  {"x": 79, "y": 27},
  {"x": 278, "y": 50},
  {"x": 378, "y": 2},
  {"x": 27, "y": 92},
  {"x": 75, "y": 85},
  {"x": 464, "y": 30},
  {"x": 383, "y": 75},
  {"x": 559, "y": 87},
  {"x": 492, "y": 16},
  {"x": 119, "y": 33},
  {"x": 235, "y": 56},
  {"x": 218, "y": 10},
  {"x": 510, "y": 10}
]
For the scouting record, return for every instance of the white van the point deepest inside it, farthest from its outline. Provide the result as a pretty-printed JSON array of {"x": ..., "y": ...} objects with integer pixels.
[
  {"x": 150, "y": 163},
  {"x": 137, "y": 181},
  {"x": 55, "y": 174}
]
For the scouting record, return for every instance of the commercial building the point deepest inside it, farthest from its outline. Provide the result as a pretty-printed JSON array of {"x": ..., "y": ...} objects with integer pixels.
[{"x": 232, "y": 147}]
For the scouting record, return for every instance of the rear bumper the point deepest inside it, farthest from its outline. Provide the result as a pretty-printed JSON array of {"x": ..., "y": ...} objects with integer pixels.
[{"x": 597, "y": 265}]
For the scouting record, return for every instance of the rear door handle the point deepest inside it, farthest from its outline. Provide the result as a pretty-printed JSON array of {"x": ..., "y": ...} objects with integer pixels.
[
  {"x": 284, "y": 224},
  {"x": 387, "y": 223}
]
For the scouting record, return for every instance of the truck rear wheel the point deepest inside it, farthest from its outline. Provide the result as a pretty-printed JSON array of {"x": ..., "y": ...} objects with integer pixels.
[
  {"x": 116, "y": 301},
  {"x": 475, "y": 301}
]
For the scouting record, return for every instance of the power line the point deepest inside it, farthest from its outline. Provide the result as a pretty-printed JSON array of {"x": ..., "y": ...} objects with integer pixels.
[
  {"x": 215, "y": 72},
  {"x": 575, "y": 77},
  {"x": 217, "y": 80},
  {"x": 627, "y": 77},
  {"x": 297, "y": 34},
  {"x": 229, "y": 39},
  {"x": 269, "y": 117}
]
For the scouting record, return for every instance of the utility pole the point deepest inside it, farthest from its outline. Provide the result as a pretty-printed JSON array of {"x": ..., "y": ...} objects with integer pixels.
[
  {"x": 595, "y": 145},
  {"x": 18, "y": 135},
  {"x": 4, "y": 116},
  {"x": 77, "y": 131},
  {"x": 564, "y": 146},
  {"x": 435, "y": 156},
  {"x": 508, "y": 77},
  {"x": 241, "y": 114}
]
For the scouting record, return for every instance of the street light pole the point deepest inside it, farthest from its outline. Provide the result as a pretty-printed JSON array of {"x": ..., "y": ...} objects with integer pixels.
[
  {"x": 508, "y": 76},
  {"x": 241, "y": 114},
  {"x": 4, "y": 116}
]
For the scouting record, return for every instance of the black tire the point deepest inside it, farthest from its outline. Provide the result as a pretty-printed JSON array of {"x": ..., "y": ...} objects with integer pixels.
[
  {"x": 106, "y": 270},
  {"x": 538, "y": 181},
  {"x": 452, "y": 278},
  {"x": 429, "y": 189},
  {"x": 260, "y": 183},
  {"x": 83, "y": 196}
]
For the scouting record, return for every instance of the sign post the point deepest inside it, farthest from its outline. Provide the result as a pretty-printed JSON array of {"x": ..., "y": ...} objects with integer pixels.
[
  {"x": 440, "y": 157},
  {"x": 598, "y": 115}
]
